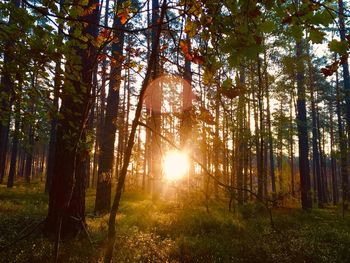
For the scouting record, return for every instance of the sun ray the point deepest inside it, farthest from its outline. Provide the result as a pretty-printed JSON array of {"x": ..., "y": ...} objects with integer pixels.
[{"x": 175, "y": 165}]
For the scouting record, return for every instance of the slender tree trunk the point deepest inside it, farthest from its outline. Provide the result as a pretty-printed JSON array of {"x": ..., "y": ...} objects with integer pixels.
[
  {"x": 155, "y": 111},
  {"x": 342, "y": 140},
  {"x": 261, "y": 167},
  {"x": 291, "y": 142},
  {"x": 268, "y": 120},
  {"x": 29, "y": 155},
  {"x": 304, "y": 168},
  {"x": 130, "y": 144},
  {"x": 14, "y": 150},
  {"x": 240, "y": 137},
  {"x": 55, "y": 110},
  {"x": 105, "y": 164},
  {"x": 346, "y": 81},
  {"x": 186, "y": 125},
  {"x": 315, "y": 139},
  {"x": 333, "y": 159},
  {"x": 7, "y": 83}
]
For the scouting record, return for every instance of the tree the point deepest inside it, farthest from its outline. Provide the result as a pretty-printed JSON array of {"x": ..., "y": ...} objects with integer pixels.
[
  {"x": 66, "y": 211},
  {"x": 304, "y": 169},
  {"x": 7, "y": 81},
  {"x": 106, "y": 157}
]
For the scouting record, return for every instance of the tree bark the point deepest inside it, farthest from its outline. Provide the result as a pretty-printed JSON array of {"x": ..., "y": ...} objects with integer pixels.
[
  {"x": 304, "y": 168},
  {"x": 105, "y": 164},
  {"x": 346, "y": 81},
  {"x": 5, "y": 96},
  {"x": 130, "y": 144},
  {"x": 66, "y": 213}
]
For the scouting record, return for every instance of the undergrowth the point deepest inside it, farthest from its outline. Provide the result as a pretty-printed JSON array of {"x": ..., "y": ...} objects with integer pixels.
[{"x": 174, "y": 231}]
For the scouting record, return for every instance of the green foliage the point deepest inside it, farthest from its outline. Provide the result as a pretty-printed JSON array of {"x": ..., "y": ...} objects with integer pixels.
[
  {"x": 338, "y": 46},
  {"x": 169, "y": 231},
  {"x": 316, "y": 36}
]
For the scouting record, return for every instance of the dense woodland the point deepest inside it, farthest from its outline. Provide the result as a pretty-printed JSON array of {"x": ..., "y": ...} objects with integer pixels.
[{"x": 252, "y": 96}]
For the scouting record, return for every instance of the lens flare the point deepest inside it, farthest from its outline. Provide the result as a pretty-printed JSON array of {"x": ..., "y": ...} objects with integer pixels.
[{"x": 175, "y": 165}]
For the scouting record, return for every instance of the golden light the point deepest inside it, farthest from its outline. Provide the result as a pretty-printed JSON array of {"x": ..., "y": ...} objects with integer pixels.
[{"x": 175, "y": 165}]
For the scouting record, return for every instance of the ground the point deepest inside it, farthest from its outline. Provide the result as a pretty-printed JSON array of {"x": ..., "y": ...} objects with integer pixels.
[{"x": 177, "y": 230}]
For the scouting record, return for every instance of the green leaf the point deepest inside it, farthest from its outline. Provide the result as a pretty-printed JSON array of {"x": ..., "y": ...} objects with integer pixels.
[
  {"x": 267, "y": 26},
  {"x": 316, "y": 36},
  {"x": 338, "y": 46},
  {"x": 227, "y": 83},
  {"x": 296, "y": 32},
  {"x": 322, "y": 18}
]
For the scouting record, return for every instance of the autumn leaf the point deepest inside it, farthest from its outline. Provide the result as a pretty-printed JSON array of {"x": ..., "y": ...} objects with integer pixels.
[
  {"x": 194, "y": 57},
  {"x": 326, "y": 72},
  {"x": 230, "y": 93},
  {"x": 90, "y": 9},
  {"x": 206, "y": 116},
  {"x": 184, "y": 46},
  {"x": 198, "y": 59},
  {"x": 124, "y": 15}
]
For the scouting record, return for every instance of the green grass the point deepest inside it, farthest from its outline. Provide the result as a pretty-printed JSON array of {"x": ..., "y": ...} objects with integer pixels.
[{"x": 170, "y": 231}]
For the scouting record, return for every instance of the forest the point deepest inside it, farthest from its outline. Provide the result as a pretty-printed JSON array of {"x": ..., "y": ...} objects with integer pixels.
[{"x": 174, "y": 131}]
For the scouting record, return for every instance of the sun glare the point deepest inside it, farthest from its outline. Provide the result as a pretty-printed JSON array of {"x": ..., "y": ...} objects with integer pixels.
[{"x": 175, "y": 165}]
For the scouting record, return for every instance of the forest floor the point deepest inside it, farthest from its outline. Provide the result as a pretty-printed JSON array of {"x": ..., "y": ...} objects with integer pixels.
[{"x": 176, "y": 231}]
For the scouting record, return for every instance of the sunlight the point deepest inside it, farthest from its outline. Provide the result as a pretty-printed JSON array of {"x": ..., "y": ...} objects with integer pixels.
[{"x": 175, "y": 165}]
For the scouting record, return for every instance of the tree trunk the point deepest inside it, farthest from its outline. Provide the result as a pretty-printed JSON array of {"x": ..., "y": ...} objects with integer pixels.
[
  {"x": 291, "y": 142},
  {"x": 155, "y": 118},
  {"x": 130, "y": 144},
  {"x": 55, "y": 110},
  {"x": 105, "y": 164},
  {"x": 304, "y": 169},
  {"x": 5, "y": 96},
  {"x": 333, "y": 159},
  {"x": 14, "y": 150},
  {"x": 66, "y": 213},
  {"x": 261, "y": 130},
  {"x": 240, "y": 137},
  {"x": 346, "y": 81}
]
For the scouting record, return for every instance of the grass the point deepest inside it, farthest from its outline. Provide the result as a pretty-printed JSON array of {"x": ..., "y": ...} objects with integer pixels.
[{"x": 170, "y": 231}]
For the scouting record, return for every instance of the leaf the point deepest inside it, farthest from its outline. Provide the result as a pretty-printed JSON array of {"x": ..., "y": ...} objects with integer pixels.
[
  {"x": 267, "y": 26},
  {"x": 227, "y": 83},
  {"x": 338, "y": 46},
  {"x": 206, "y": 116},
  {"x": 190, "y": 28},
  {"x": 124, "y": 15},
  {"x": 326, "y": 72},
  {"x": 316, "y": 36},
  {"x": 89, "y": 10},
  {"x": 184, "y": 46},
  {"x": 321, "y": 18},
  {"x": 296, "y": 32},
  {"x": 194, "y": 57},
  {"x": 198, "y": 59},
  {"x": 229, "y": 90}
]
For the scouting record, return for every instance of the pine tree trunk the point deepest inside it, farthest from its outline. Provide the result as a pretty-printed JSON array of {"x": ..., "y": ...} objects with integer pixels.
[
  {"x": 240, "y": 137},
  {"x": 14, "y": 151},
  {"x": 304, "y": 168},
  {"x": 315, "y": 141},
  {"x": 346, "y": 81},
  {"x": 55, "y": 109},
  {"x": 106, "y": 157},
  {"x": 155, "y": 118},
  {"x": 291, "y": 143},
  {"x": 260, "y": 133},
  {"x": 268, "y": 123},
  {"x": 333, "y": 159},
  {"x": 66, "y": 213},
  {"x": 5, "y": 97}
]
